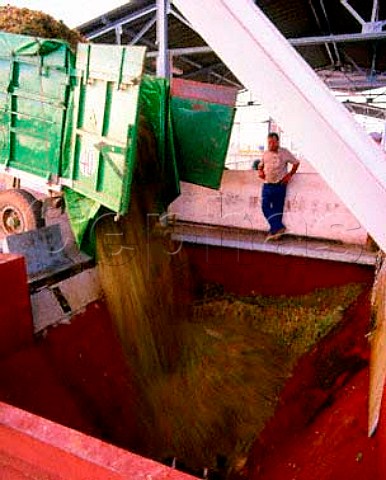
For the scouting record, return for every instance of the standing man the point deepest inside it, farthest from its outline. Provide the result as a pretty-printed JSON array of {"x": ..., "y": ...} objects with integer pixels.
[{"x": 273, "y": 170}]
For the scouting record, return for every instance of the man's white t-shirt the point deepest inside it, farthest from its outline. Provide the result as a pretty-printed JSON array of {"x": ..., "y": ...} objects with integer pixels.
[{"x": 275, "y": 164}]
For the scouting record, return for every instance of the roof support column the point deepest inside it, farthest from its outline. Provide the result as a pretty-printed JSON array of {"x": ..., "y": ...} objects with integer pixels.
[{"x": 163, "y": 68}]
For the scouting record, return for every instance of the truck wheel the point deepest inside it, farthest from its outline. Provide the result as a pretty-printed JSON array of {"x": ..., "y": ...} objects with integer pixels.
[{"x": 20, "y": 211}]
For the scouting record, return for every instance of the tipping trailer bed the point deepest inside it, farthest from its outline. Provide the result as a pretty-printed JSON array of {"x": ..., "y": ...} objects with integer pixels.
[{"x": 71, "y": 121}]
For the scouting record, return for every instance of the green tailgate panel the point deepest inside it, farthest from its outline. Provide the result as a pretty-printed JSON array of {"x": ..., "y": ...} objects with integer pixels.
[
  {"x": 202, "y": 132},
  {"x": 34, "y": 89},
  {"x": 202, "y": 116},
  {"x": 105, "y": 120}
]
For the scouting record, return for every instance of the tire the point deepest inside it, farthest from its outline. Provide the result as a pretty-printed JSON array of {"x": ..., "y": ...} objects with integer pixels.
[{"x": 20, "y": 212}]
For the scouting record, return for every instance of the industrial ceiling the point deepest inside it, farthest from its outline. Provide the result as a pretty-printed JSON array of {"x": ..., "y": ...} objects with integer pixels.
[{"x": 344, "y": 41}]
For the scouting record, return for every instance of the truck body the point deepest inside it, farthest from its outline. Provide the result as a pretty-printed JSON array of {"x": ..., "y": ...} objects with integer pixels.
[{"x": 72, "y": 121}]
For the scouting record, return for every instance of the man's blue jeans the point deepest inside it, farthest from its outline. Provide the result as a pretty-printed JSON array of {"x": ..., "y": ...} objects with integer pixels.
[{"x": 273, "y": 205}]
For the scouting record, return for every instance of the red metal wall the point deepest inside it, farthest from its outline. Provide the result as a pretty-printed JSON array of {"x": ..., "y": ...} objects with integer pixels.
[
  {"x": 245, "y": 272},
  {"x": 15, "y": 308},
  {"x": 75, "y": 375},
  {"x": 34, "y": 448},
  {"x": 320, "y": 426}
]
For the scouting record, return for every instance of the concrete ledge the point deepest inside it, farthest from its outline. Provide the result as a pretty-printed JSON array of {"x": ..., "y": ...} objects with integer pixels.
[
  {"x": 58, "y": 302},
  {"x": 288, "y": 245}
]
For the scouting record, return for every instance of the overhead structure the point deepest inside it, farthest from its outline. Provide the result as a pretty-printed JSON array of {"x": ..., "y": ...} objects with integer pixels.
[
  {"x": 343, "y": 40},
  {"x": 366, "y": 109}
]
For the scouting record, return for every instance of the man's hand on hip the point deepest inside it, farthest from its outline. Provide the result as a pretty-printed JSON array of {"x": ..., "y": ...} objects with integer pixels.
[{"x": 285, "y": 180}]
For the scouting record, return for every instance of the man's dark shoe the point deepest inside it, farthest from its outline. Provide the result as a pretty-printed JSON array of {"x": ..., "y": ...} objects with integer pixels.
[{"x": 276, "y": 235}]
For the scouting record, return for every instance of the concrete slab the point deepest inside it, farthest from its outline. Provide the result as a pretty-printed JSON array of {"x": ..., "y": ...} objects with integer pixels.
[
  {"x": 312, "y": 209},
  {"x": 81, "y": 289},
  {"x": 59, "y": 302},
  {"x": 46, "y": 310}
]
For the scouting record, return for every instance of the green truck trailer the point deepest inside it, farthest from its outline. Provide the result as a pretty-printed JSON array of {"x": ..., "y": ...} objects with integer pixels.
[{"x": 70, "y": 122}]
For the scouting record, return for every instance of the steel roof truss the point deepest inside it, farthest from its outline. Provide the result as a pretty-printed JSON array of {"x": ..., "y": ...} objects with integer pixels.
[
  {"x": 180, "y": 17},
  {"x": 317, "y": 19},
  {"x": 367, "y": 27},
  {"x": 123, "y": 21},
  {"x": 143, "y": 30}
]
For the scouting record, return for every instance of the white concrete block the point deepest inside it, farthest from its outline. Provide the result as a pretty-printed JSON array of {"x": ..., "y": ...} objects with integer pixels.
[
  {"x": 46, "y": 310},
  {"x": 312, "y": 209},
  {"x": 58, "y": 303},
  {"x": 82, "y": 289}
]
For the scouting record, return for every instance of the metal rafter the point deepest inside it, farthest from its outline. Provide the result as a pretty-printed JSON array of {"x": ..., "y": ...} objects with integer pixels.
[
  {"x": 326, "y": 45},
  {"x": 182, "y": 57},
  {"x": 337, "y": 80},
  {"x": 296, "y": 42},
  {"x": 214, "y": 74},
  {"x": 208, "y": 69},
  {"x": 342, "y": 38},
  {"x": 373, "y": 25},
  {"x": 374, "y": 12},
  {"x": 336, "y": 50},
  {"x": 143, "y": 30},
  {"x": 365, "y": 109},
  {"x": 123, "y": 21},
  {"x": 179, "y": 17}
]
